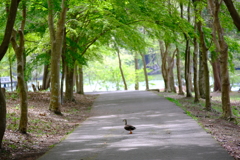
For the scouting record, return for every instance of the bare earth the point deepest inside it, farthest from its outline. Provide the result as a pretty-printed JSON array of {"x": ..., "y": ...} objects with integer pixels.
[{"x": 45, "y": 129}]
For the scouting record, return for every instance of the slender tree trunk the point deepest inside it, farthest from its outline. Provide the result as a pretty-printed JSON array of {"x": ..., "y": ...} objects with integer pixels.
[
  {"x": 145, "y": 71},
  {"x": 195, "y": 68},
  {"x": 136, "y": 72},
  {"x": 10, "y": 69},
  {"x": 3, "y": 49},
  {"x": 56, "y": 51},
  {"x": 180, "y": 89},
  {"x": 121, "y": 70},
  {"x": 81, "y": 80},
  {"x": 214, "y": 7},
  {"x": 205, "y": 63},
  {"x": 164, "y": 66},
  {"x": 187, "y": 56},
  {"x": 201, "y": 81},
  {"x": 216, "y": 74},
  {"x": 19, "y": 51},
  {"x": 46, "y": 76},
  {"x": 233, "y": 12},
  {"x": 69, "y": 84},
  {"x": 2, "y": 116},
  {"x": 170, "y": 71},
  {"x": 76, "y": 77},
  {"x": 187, "y": 69}
]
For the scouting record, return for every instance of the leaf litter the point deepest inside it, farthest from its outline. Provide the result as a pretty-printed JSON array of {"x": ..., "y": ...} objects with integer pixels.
[{"x": 45, "y": 129}]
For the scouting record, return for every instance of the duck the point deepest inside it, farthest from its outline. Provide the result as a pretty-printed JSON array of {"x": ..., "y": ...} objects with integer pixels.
[{"x": 128, "y": 127}]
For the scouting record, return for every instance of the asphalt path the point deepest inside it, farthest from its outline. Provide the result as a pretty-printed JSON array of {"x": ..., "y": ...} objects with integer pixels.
[{"x": 163, "y": 132}]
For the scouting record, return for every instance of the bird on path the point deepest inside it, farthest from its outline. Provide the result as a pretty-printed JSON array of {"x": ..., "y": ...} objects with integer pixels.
[{"x": 128, "y": 127}]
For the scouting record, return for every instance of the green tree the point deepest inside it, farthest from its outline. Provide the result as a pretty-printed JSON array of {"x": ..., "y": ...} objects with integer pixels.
[
  {"x": 3, "y": 48},
  {"x": 56, "y": 35}
]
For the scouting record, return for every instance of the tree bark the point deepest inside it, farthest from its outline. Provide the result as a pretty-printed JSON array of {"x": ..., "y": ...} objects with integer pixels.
[
  {"x": 180, "y": 88},
  {"x": 170, "y": 71},
  {"x": 136, "y": 72},
  {"x": 19, "y": 51},
  {"x": 69, "y": 84},
  {"x": 195, "y": 69},
  {"x": 10, "y": 70},
  {"x": 145, "y": 71},
  {"x": 56, "y": 37},
  {"x": 187, "y": 56},
  {"x": 216, "y": 73},
  {"x": 46, "y": 76},
  {"x": 164, "y": 66},
  {"x": 3, "y": 49},
  {"x": 201, "y": 81},
  {"x": 187, "y": 69},
  {"x": 81, "y": 80},
  {"x": 233, "y": 12},
  {"x": 214, "y": 7},
  {"x": 204, "y": 52},
  {"x": 121, "y": 70}
]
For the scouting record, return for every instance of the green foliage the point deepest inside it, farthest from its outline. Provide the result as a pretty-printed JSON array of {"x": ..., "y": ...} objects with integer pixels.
[{"x": 174, "y": 101}]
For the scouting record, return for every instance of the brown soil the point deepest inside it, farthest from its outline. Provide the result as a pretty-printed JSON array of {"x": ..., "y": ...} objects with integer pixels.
[
  {"x": 227, "y": 133},
  {"x": 46, "y": 129}
]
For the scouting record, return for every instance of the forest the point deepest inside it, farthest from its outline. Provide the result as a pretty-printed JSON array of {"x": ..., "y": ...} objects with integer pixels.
[{"x": 69, "y": 43}]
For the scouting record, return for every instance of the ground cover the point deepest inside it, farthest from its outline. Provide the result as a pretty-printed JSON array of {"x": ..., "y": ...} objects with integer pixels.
[
  {"x": 227, "y": 133},
  {"x": 45, "y": 129}
]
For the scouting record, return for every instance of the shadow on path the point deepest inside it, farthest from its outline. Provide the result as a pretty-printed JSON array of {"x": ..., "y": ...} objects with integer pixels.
[{"x": 163, "y": 132}]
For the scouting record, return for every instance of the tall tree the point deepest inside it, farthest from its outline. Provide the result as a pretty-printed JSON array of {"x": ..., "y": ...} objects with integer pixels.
[
  {"x": 233, "y": 12},
  {"x": 179, "y": 76},
  {"x": 121, "y": 69},
  {"x": 214, "y": 7},
  {"x": 3, "y": 49},
  {"x": 187, "y": 55},
  {"x": 204, "y": 52},
  {"x": 56, "y": 36},
  {"x": 19, "y": 51},
  {"x": 145, "y": 71}
]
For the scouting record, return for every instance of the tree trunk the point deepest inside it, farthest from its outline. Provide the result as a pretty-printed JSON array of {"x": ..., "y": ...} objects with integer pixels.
[
  {"x": 214, "y": 7},
  {"x": 76, "y": 77},
  {"x": 2, "y": 116},
  {"x": 195, "y": 55},
  {"x": 136, "y": 72},
  {"x": 145, "y": 71},
  {"x": 19, "y": 51},
  {"x": 3, "y": 49},
  {"x": 56, "y": 51},
  {"x": 233, "y": 12},
  {"x": 204, "y": 51},
  {"x": 187, "y": 69},
  {"x": 10, "y": 70},
  {"x": 195, "y": 69},
  {"x": 164, "y": 67},
  {"x": 216, "y": 74},
  {"x": 170, "y": 72},
  {"x": 69, "y": 84},
  {"x": 46, "y": 76},
  {"x": 187, "y": 56},
  {"x": 81, "y": 80},
  {"x": 201, "y": 81},
  {"x": 121, "y": 70},
  {"x": 180, "y": 89}
]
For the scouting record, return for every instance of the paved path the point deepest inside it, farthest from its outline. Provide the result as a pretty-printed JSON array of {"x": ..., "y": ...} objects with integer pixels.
[{"x": 163, "y": 132}]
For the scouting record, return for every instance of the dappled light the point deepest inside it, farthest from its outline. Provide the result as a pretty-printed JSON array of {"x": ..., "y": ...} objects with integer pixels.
[{"x": 163, "y": 131}]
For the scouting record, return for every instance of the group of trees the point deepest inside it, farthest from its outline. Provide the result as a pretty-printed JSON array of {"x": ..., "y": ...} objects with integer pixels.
[{"x": 63, "y": 36}]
